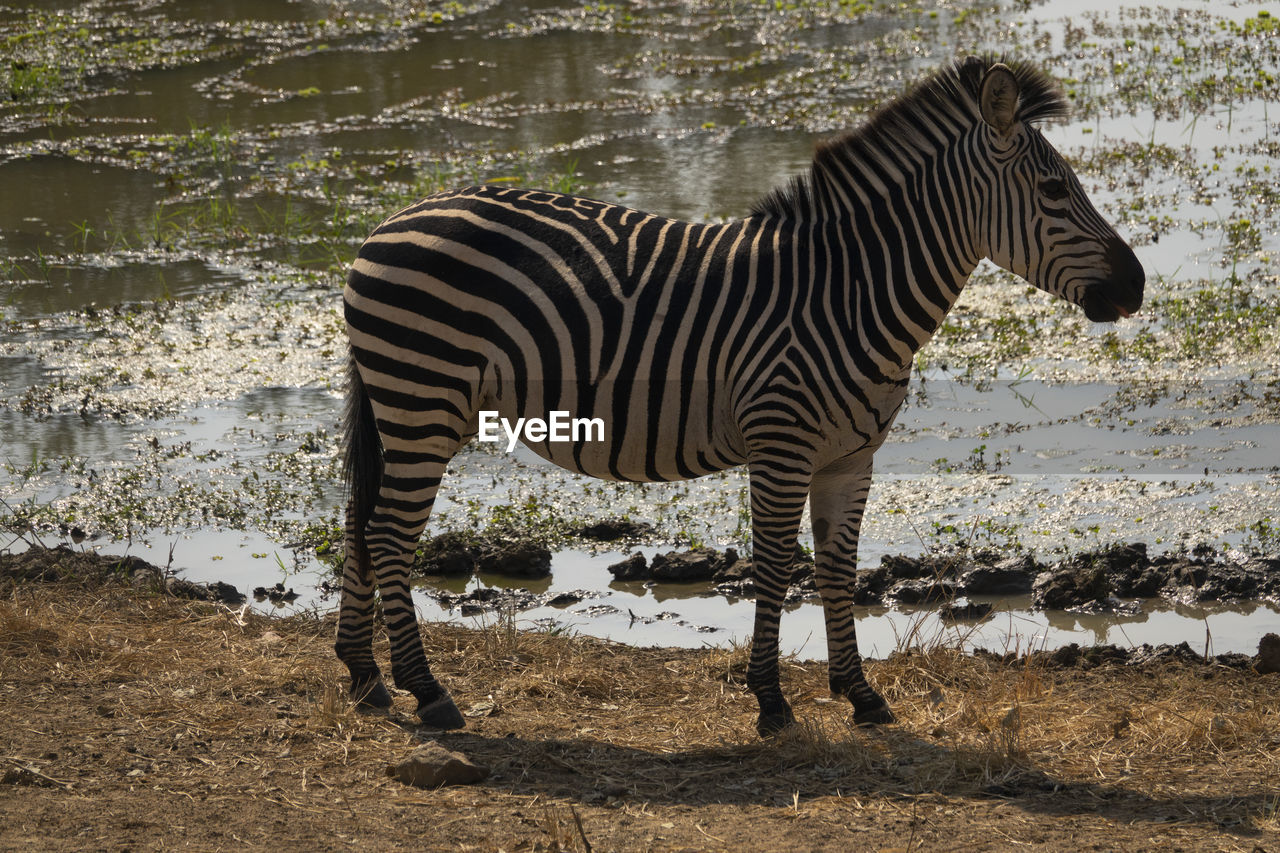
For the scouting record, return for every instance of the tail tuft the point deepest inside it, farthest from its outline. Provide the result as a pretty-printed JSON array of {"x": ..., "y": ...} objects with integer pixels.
[{"x": 362, "y": 463}]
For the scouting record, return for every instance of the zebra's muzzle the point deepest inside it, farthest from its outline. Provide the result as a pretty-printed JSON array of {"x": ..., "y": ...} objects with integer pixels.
[{"x": 1120, "y": 295}]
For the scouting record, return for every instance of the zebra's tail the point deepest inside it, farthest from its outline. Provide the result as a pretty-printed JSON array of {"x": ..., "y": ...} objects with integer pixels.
[{"x": 363, "y": 461}]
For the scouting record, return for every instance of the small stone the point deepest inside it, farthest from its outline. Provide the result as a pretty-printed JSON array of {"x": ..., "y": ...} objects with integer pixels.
[
  {"x": 733, "y": 568},
  {"x": 634, "y": 568},
  {"x": 481, "y": 709},
  {"x": 698, "y": 564},
  {"x": 1268, "y": 654},
  {"x": 433, "y": 766}
]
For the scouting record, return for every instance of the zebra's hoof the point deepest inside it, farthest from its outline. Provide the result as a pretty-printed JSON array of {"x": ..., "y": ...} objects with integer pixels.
[
  {"x": 772, "y": 723},
  {"x": 441, "y": 713},
  {"x": 880, "y": 715},
  {"x": 371, "y": 695}
]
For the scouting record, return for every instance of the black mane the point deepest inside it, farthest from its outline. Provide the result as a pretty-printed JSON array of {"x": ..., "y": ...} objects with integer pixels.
[{"x": 913, "y": 124}]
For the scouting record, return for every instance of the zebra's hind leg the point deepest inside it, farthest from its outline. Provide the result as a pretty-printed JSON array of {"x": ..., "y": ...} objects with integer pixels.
[
  {"x": 777, "y": 503},
  {"x": 837, "y": 501},
  {"x": 355, "y": 623},
  {"x": 409, "y": 484}
]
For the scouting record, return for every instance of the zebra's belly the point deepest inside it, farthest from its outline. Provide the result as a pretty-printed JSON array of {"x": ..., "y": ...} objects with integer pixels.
[
  {"x": 632, "y": 462},
  {"x": 615, "y": 437}
]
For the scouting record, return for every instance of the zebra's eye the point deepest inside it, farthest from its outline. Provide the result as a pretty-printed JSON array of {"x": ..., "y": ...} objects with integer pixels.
[{"x": 1054, "y": 189}]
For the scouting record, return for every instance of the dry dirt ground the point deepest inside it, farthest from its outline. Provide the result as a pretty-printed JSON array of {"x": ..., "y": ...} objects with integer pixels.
[{"x": 135, "y": 721}]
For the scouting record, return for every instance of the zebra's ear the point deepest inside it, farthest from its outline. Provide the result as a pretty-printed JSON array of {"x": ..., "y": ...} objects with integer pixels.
[{"x": 998, "y": 98}]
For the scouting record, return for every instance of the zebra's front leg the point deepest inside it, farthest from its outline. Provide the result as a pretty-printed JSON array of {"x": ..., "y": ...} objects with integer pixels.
[
  {"x": 777, "y": 502},
  {"x": 837, "y": 501}
]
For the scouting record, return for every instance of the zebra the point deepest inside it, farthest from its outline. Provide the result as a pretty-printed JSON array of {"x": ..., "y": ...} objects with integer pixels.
[{"x": 783, "y": 341}]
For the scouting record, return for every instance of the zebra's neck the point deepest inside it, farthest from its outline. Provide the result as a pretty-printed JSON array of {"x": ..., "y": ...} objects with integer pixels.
[{"x": 902, "y": 233}]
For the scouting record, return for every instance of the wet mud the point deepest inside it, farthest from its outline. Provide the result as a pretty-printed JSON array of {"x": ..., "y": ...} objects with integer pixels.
[{"x": 65, "y": 565}]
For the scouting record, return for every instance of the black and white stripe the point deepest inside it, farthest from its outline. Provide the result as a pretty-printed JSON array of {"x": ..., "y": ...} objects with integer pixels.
[{"x": 783, "y": 341}]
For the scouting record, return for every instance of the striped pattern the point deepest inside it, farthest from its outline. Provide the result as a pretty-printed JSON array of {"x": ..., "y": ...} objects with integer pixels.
[{"x": 783, "y": 341}]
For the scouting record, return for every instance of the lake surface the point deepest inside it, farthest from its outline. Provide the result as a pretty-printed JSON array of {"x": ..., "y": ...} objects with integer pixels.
[{"x": 179, "y": 193}]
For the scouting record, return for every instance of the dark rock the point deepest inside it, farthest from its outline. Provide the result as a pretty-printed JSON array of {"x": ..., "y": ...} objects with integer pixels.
[
  {"x": 634, "y": 568},
  {"x": 1228, "y": 582},
  {"x": 455, "y": 553},
  {"x": 611, "y": 529},
  {"x": 1146, "y": 583},
  {"x": 1069, "y": 585},
  {"x": 1165, "y": 653},
  {"x": 1268, "y": 659},
  {"x": 1088, "y": 657},
  {"x": 1186, "y": 572},
  {"x": 685, "y": 566},
  {"x": 805, "y": 589},
  {"x": 869, "y": 586},
  {"x": 217, "y": 591},
  {"x": 949, "y": 566},
  {"x": 1066, "y": 655},
  {"x": 901, "y": 567},
  {"x": 449, "y": 554},
  {"x": 1013, "y": 576},
  {"x": 745, "y": 588},
  {"x": 228, "y": 594},
  {"x": 732, "y": 567},
  {"x": 522, "y": 558},
  {"x": 1095, "y": 656},
  {"x": 922, "y": 591},
  {"x": 1267, "y": 569},
  {"x": 276, "y": 594},
  {"x": 433, "y": 766},
  {"x": 1129, "y": 557}
]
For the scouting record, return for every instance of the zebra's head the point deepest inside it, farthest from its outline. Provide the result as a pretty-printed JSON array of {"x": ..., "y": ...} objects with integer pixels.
[{"x": 1039, "y": 223}]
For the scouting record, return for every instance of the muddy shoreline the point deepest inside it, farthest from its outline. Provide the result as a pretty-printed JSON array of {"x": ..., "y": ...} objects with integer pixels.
[
  {"x": 1090, "y": 581},
  {"x": 1113, "y": 579}
]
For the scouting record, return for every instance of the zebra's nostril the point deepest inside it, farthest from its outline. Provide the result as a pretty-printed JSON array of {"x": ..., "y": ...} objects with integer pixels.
[{"x": 1127, "y": 274}]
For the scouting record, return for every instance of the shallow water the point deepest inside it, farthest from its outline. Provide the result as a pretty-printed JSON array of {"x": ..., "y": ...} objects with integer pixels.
[
  {"x": 173, "y": 223},
  {"x": 691, "y": 616}
]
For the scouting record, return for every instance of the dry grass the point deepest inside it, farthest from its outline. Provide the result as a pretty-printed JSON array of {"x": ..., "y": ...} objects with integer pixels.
[{"x": 116, "y": 704}]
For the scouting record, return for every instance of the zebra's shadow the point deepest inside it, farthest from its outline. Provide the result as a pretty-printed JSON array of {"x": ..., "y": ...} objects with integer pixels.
[{"x": 788, "y": 770}]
